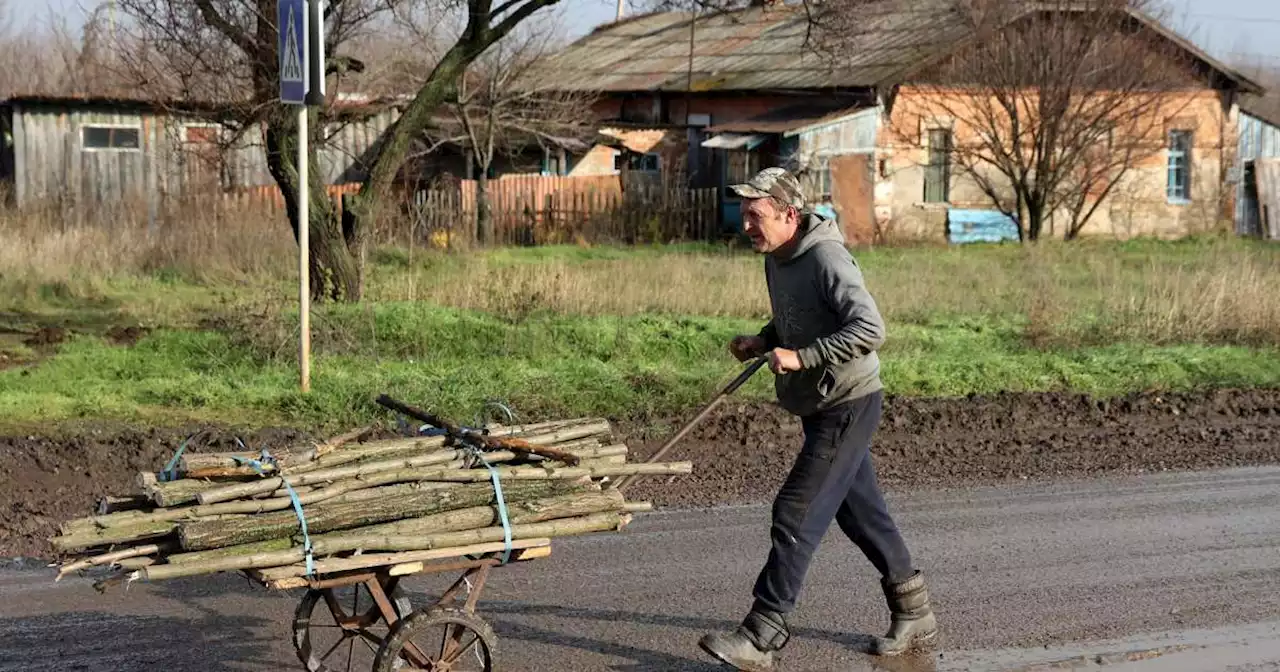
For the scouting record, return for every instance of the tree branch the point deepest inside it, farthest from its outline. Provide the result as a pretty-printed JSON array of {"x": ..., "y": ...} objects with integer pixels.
[{"x": 218, "y": 22}]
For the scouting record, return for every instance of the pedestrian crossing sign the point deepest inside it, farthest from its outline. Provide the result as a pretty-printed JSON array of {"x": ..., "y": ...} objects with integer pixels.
[{"x": 291, "y": 26}]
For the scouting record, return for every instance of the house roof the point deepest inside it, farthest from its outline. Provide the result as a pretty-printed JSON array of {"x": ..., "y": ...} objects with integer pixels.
[
  {"x": 756, "y": 48},
  {"x": 769, "y": 48},
  {"x": 1265, "y": 107}
]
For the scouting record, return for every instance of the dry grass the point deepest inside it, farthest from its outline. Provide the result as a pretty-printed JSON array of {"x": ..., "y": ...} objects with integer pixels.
[
  {"x": 1211, "y": 290},
  {"x": 80, "y": 250}
]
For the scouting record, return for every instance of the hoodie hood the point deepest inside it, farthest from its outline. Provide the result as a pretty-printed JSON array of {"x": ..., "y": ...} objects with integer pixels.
[{"x": 814, "y": 230}]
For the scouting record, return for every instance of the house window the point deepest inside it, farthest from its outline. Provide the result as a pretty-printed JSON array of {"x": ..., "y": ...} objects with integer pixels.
[
  {"x": 642, "y": 163},
  {"x": 937, "y": 174},
  {"x": 1179, "y": 181},
  {"x": 127, "y": 138}
]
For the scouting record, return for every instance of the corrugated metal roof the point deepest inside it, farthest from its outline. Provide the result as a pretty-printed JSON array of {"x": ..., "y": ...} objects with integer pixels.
[
  {"x": 1266, "y": 108},
  {"x": 760, "y": 48},
  {"x": 750, "y": 49}
]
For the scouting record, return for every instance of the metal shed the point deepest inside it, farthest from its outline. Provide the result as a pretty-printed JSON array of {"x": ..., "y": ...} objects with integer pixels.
[
  {"x": 1258, "y": 153},
  {"x": 102, "y": 150}
]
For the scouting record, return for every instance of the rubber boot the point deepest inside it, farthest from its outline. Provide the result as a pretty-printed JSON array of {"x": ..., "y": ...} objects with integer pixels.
[
  {"x": 752, "y": 645},
  {"x": 912, "y": 621}
]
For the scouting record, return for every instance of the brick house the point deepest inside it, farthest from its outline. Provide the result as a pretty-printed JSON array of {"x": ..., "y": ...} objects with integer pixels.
[{"x": 707, "y": 99}]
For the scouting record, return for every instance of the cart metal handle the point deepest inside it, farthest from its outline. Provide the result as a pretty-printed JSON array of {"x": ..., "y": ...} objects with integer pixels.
[{"x": 706, "y": 410}]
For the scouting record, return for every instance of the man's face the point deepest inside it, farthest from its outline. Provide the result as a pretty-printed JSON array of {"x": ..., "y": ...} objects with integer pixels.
[{"x": 768, "y": 224}]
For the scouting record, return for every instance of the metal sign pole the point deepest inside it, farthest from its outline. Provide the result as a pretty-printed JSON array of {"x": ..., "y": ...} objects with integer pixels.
[
  {"x": 300, "y": 29},
  {"x": 304, "y": 251}
]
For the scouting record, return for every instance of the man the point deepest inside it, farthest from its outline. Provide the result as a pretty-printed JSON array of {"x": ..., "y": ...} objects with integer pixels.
[{"x": 821, "y": 345}]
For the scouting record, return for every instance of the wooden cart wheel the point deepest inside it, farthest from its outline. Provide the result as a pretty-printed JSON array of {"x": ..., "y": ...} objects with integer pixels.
[
  {"x": 438, "y": 640},
  {"x": 344, "y": 632}
]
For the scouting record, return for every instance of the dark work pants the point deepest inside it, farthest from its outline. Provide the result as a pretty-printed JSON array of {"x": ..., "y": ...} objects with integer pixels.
[{"x": 833, "y": 477}]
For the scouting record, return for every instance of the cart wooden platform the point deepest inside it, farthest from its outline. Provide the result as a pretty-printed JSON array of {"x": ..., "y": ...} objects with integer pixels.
[{"x": 373, "y": 625}]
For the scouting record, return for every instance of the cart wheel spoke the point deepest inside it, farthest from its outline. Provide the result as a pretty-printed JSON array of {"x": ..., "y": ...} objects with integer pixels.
[
  {"x": 459, "y": 650},
  {"x": 466, "y": 643},
  {"x": 446, "y": 638},
  {"x": 332, "y": 649},
  {"x": 322, "y": 617}
]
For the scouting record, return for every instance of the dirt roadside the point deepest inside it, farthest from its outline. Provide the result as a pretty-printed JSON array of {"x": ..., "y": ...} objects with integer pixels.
[{"x": 742, "y": 453}]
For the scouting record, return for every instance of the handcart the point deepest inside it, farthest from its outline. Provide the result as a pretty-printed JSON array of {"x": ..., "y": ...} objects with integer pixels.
[{"x": 368, "y": 622}]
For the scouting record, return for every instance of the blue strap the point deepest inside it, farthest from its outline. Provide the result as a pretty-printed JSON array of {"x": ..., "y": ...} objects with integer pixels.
[
  {"x": 170, "y": 472},
  {"x": 257, "y": 465},
  {"x": 502, "y": 504}
]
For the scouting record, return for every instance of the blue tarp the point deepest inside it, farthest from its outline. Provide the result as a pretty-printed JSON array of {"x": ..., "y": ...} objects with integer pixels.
[{"x": 980, "y": 226}]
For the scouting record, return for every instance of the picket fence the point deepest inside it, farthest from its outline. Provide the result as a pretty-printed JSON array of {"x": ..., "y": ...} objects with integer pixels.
[
  {"x": 542, "y": 210},
  {"x": 529, "y": 210}
]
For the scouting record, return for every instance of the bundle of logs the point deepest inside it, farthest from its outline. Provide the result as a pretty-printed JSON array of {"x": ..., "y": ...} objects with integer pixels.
[{"x": 363, "y": 503}]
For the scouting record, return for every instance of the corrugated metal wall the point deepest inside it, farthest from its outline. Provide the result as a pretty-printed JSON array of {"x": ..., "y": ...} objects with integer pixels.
[
  {"x": 855, "y": 134},
  {"x": 1258, "y": 140},
  {"x": 51, "y": 162}
]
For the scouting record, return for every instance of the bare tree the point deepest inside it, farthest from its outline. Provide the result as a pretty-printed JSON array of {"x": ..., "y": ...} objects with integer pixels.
[
  {"x": 225, "y": 51},
  {"x": 46, "y": 56},
  {"x": 1045, "y": 107},
  {"x": 506, "y": 105}
]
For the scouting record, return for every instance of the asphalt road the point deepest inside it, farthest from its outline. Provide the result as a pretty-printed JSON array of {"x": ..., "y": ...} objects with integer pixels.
[{"x": 1162, "y": 572}]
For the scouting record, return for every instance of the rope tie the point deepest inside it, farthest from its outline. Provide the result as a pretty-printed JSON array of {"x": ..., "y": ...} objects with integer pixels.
[
  {"x": 170, "y": 471},
  {"x": 257, "y": 465},
  {"x": 474, "y": 454}
]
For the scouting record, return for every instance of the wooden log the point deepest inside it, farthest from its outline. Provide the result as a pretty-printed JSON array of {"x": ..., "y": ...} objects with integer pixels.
[
  {"x": 561, "y": 437},
  {"x": 531, "y": 511},
  {"x": 414, "y": 567},
  {"x": 225, "y": 493},
  {"x": 200, "y": 534},
  {"x": 546, "y": 432},
  {"x": 194, "y": 462},
  {"x": 597, "y": 522},
  {"x": 136, "y": 563},
  {"x": 237, "y": 491},
  {"x": 114, "y": 504},
  {"x": 109, "y": 558},
  {"x": 395, "y": 559},
  {"x": 474, "y": 437},
  {"x": 506, "y": 473},
  {"x": 342, "y": 440},
  {"x": 535, "y": 511},
  {"x": 305, "y": 497},
  {"x": 111, "y": 535},
  {"x": 186, "y": 490}
]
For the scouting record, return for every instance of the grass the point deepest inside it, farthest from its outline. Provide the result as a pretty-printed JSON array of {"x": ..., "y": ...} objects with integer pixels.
[{"x": 590, "y": 330}]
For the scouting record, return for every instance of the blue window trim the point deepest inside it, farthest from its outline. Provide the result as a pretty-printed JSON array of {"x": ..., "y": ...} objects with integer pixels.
[{"x": 1178, "y": 169}]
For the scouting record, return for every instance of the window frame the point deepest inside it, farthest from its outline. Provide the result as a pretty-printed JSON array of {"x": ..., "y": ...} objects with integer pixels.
[
  {"x": 85, "y": 127},
  {"x": 1177, "y": 190},
  {"x": 932, "y": 169}
]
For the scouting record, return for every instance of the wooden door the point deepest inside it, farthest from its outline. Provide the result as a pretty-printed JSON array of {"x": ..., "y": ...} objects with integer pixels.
[{"x": 853, "y": 194}]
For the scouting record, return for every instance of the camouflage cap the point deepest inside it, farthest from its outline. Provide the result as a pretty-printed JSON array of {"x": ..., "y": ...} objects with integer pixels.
[{"x": 776, "y": 182}]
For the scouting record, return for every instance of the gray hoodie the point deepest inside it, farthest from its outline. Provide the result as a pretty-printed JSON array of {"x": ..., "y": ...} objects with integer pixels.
[{"x": 822, "y": 309}]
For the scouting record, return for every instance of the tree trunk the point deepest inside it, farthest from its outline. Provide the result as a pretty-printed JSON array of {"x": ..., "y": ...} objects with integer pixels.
[
  {"x": 1035, "y": 220},
  {"x": 485, "y": 230},
  {"x": 335, "y": 267}
]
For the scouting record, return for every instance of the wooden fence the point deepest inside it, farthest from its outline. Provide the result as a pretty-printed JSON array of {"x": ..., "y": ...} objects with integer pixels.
[
  {"x": 525, "y": 210},
  {"x": 541, "y": 210}
]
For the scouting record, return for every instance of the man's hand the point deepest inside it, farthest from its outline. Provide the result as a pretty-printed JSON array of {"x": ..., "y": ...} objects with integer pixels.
[
  {"x": 782, "y": 360},
  {"x": 746, "y": 347}
]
